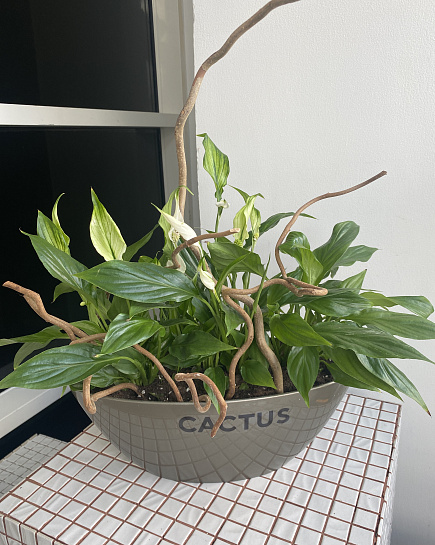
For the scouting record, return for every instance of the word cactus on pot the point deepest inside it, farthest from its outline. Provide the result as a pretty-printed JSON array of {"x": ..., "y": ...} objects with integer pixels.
[{"x": 196, "y": 362}]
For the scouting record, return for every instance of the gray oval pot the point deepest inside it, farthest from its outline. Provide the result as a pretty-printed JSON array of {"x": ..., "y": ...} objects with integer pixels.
[{"x": 172, "y": 440}]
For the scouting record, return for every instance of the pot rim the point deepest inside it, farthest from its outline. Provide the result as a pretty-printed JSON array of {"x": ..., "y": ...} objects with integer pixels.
[{"x": 229, "y": 402}]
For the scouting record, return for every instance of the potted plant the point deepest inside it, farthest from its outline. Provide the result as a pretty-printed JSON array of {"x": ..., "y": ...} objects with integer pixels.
[{"x": 254, "y": 344}]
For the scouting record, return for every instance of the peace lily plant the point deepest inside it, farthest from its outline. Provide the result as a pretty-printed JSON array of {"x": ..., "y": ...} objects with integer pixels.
[{"x": 211, "y": 311}]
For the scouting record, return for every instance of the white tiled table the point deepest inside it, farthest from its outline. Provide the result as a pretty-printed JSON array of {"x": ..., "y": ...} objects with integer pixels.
[{"x": 338, "y": 491}]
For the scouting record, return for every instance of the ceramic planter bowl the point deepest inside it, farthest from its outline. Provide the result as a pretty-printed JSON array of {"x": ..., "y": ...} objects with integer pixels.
[{"x": 173, "y": 440}]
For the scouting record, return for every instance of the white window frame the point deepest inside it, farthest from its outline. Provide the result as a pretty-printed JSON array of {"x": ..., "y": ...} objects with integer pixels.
[{"x": 18, "y": 405}]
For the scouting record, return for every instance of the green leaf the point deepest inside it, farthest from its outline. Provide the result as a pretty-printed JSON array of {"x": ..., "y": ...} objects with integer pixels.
[
  {"x": 297, "y": 246},
  {"x": 124, "y": 332},
  {"x": 338, "y": 302},
  {"x": 217, "y": 375},
  {"x": 134, "y": 248},
  {"x": 303, "y": 368},
  {"x": 216, "y": 164},
  {"x": 254, "y": 372},
  {"x": 349, "y": 363},
  {"x": 88, "y": 327},
  {"x": 224, "y": 254},
  {"x": 56, "y": 367},
  {"x": 352, "y": 255},
  {"x": 355, "y": 282},
  {"x": 105, "y": 235},
  {"x": 60, "y": 265},
  {"x": 292, "y": 330},
  {"x": 109, "y": 376},
  {"x": 229, "y": 269},
  {"x": 329, "y": 254},
  {"x": 5, "y": 342},
  {"x": 47, "y": 334},
  {"x": 25, "y": 351},
  {"x": 118, "y": 306},
  {"x": 390, "y": 374},
  {"x": 55, "y": 219},
  {"x": 232, "y": 318},
  {"x": 50, "y": 232},
  {"x": 270, "y": 223},
  {"x": 370, "y": 342},
  {"x": 417, "y": 304},
  {"x": 141, "y": 282},
  {"x": 409, "y": 326},
  {"x": 197, "y": 343},
  {"x": 60, "y": 289},
  {"x": 343, "y": 378},
  {"x": 140, "y": 308}
]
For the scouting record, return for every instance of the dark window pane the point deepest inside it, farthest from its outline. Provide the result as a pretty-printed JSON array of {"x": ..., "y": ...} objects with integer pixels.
[
  {"x": 77, "y": 53},
  {"x": 123, "y": 167}
]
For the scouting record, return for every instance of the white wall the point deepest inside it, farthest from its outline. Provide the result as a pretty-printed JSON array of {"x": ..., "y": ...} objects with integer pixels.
[{"x": 320, "y": 96}]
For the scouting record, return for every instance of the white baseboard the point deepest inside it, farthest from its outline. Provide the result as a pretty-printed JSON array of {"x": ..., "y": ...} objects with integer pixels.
[{"x": 17, "y": 405}]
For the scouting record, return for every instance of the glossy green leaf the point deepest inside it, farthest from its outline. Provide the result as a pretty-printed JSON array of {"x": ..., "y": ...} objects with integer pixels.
[
  {"x": 297, "y": 246},
  {"x": 141, "y": 282},
  {"x": 60, "y": 289},
  {"x": 218, "y": 377},
  {"x": 409, "y": 326},
  {"x": 329, "y": 254},
  {"x": 355, "y": 282},
  {"x": 254, "y": 372},
  {"x": 349, "y": 363},
  {"x": 216, "y": 164},
  {"x": 25, "y": 350},
  {"x": 47, "y": 334},
  {"x": 232, "y": 318},
  {"x": 270, "y": 223},
  {"x": 292, "y": 330},
  {"x": 303, "y": 368},
  {"x": 50, "y": 232},
  {"x": 5, "y": 342},
  {"x": 338, "y": 302},
  {"x": 134, "y": 248},
  {"x": 415, "y": 303},
  {"x": 197, "y": 343},
  {"x": 370, "y": 342},
  {"x": 230, "y": 269},
  {"x": 55, "y": 219},
  {"x": 88, "y": 327},
  {"x": 105, "y": 235},
  {"x": 343, "y": 378},
  {"x": 124, "y": 332},
  {"x": 390, "y": 374},
  {"x": 59, "y": 264},
  {"x": 353, "y": 254},
  {"x": 225, "y": 254},
  {"x": 109, "y": 376},
  {"x": 56, "y": 367}
]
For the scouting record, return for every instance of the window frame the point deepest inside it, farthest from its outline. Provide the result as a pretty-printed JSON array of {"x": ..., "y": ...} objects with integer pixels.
[{"x": 18, "y": 405}]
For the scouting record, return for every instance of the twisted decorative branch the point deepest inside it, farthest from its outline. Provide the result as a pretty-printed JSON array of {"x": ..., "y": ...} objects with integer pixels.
[
  {"x": 309, "y": 203},
  {"x": 194, "y": 240},
  {"x": 188, "y": 378},
  {"x": 35, "y": 302},
  {"x": 265, "y": 349},
  {"x": 191, "y": 99},
  {"x": 89, "y": 399}
]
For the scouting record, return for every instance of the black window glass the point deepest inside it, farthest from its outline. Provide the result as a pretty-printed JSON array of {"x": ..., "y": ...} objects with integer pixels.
[
  {"x": 122, "y": 165},
  {"x": 77, "y": 53}
]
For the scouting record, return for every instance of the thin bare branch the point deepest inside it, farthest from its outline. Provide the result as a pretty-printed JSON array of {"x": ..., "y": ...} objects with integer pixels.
[
  {"x": 191, "y": 99},
  {"x": 309, "y": 203},
  {"x": 250, "y": 337},
  {"x": 35, "y": 302},
  {"x": 221, "y": 401},
  {"x": 89, "y": 338},
  {"x": 89, "y": 399},
  {"x": 265, "y": 349},
  {"x": 194, "y": 240},
  {"x": 161, "y": 369}
]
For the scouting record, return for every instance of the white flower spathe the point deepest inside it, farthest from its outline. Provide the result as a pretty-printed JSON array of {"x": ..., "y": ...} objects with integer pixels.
[
  {"x": 181, "y": 268},
  {"x": 180, "y": 228},
  {"x": 207, "y": 279}
]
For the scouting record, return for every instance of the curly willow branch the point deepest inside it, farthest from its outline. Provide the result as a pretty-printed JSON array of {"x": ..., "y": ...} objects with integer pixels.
[
  {"x": 89, "y": 399},
  {"x": 191, "y": 99},
  {"x": 265, "y": 349},
  {"x": 309, "y": 203},
  {"x": 188, "y": 378},
  {"x": 194, "y": 240}
]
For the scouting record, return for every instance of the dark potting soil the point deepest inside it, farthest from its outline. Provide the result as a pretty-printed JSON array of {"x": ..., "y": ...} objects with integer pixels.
[{"x": 160, "y": 390}]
